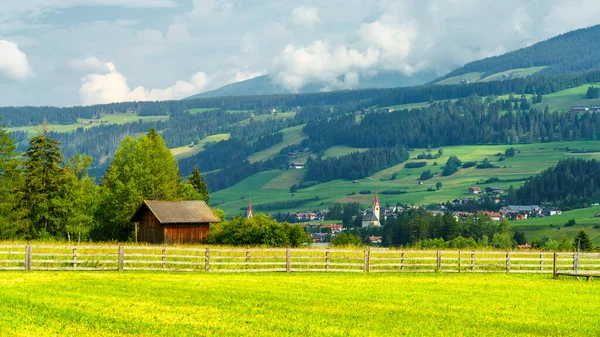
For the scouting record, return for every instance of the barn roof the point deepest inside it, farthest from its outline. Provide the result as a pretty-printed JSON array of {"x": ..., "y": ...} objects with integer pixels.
[{"x": 178, "y": 212}]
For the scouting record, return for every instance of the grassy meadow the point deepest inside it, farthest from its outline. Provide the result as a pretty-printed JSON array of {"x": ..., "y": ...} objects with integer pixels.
[
  {"x": 553, "y": 226},
  {"x": 119, "y": 118},
  {"x": 190, "y": 150},
  {"x": 199, "y": 304}
]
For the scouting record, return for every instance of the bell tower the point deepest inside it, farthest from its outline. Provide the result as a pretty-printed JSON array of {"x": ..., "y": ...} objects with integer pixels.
[
  {"x": 376, "y": 206},
  {"x": 249, "y": 212}
]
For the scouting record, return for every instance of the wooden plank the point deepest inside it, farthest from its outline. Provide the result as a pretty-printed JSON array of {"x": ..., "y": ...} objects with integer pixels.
[
  {"x": 120, "y": 262},
  {"x": 288, "y": 260}
]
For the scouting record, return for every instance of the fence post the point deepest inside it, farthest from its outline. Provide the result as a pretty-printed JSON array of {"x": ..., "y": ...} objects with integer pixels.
[
  {"x": 472, "y": 260},
  {"x": 164, "y": 258},
  {"x": 438, "y": 262},
  {"x": 459, "y": 261},
  {"x": 508, "y": 262},
  {"x": 28, "y": 258},
  {"x": 121, "y": 257},
  {"x": 207, "y": 260},
  {"x": 74, "y": 257},
  {"x": 554, "y": 266},
  {"x": 402, "y": 261},
  {"x": 541, "y": 261},
  {"x": 247, "y": 257},
  {"x": 327, "y": 259},
  {"x": 288, "y": 260},
  {"x": 575, "y": 262},
  {"x": 367, "y": 267}
]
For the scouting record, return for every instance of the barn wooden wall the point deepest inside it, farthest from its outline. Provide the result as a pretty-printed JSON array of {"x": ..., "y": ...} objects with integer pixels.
[
  {"x": 149, "y": 229},
  {"x": 186, "y": 233}
]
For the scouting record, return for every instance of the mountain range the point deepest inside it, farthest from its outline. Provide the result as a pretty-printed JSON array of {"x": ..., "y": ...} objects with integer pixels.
[{"x": 572, "y": 52}]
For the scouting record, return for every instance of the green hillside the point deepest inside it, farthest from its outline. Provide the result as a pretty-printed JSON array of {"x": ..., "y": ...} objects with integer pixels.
[
  {"x": 272, "y": 186},
  {"x": 554, "y": 226},
  {"x": 555, "y": 54}
]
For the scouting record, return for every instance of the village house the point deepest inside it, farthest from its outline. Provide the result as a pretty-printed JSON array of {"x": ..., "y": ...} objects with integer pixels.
[
  {"x": 173, "y": 222},
  {"x": 335, "y": 228},
  {"x": 495, "y": 216},
  {"x": 306, "y": 216},
  {"x": 514, "y": 212},
  {"x": 474, "y": 190},
  {"x": 595, "y": 109},
  {"x": 297, "y": 165},
  {"x": 579, "y": 109},
  {"x": 494, "y": 190}
]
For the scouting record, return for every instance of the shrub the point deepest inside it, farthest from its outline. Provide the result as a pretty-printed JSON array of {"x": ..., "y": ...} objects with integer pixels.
[
  {"x": 415, "y": 164},
  {"x": 257, "y": 231},
  {"x": 346, "y": 239},
  {"x": 426, "y": 175},
  {"x": 469, "y": 164}
]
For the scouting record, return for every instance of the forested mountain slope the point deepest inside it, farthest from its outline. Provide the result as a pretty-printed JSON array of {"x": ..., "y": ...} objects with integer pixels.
[{"x": 572, "y": 52}]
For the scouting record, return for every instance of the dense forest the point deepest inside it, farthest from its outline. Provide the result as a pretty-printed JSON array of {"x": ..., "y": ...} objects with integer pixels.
[
  {"x": 575, "y": 51},
  {"x": 572, "y": 183},
  {"x": 466, "y": 121}
]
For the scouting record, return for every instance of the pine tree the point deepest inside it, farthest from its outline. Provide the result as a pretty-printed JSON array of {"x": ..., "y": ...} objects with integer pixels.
[
  {"x": 585, "y": 243},
  {"x": 196, "y": 179},
  {"x": 41, "y": 195},
  {"x": 10, "y": 182}
]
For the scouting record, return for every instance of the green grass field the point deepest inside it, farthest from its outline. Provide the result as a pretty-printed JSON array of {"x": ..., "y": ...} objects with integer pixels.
[
  {"x": 339, "y": 151},
  {"x": 563, "y": 100},
  {"x": 473, "y": 77},
  {"x": 553, "y": 226},
  {"x": 190, "y": 150},
  {"x": 291, "y": 136},
  {"x": 198, "y": 304},
  {"x": 518, "y": 72}
]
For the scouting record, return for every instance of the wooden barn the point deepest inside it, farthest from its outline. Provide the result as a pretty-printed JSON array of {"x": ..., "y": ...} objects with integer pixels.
[{"x": 173, "y": 222}]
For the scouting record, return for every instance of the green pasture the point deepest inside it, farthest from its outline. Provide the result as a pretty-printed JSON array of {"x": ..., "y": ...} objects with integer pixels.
[
  {"x": 192, "y": 149},
  {"x": 532, "y": 159},
  {"x": 563, "y": 100},
  {"x": 554, "y": 226},
  {"x": 195, "y": 111},
  {"x": 277, "y": 115},
  {"x": 200, "y": 304},
  {"x": 119, "y": 118},
  {"x": 341, "y": 150},
  {"x": 473, "y": 77},
  {"x": 291, "y": 136},
  {"x": 517, "y": 72}
]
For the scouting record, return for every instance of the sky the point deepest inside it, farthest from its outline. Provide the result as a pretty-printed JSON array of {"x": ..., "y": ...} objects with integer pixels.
[{"x": 82, "y": 52}]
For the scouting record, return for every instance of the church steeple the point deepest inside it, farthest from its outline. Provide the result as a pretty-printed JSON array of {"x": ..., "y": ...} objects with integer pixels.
[
  {"x": 376, "y": 206},
  {"x": 249, "y": 212}
]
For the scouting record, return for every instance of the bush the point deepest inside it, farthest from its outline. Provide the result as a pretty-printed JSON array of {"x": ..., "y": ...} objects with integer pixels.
[
  {"x": 345, "y": 239},
  {"x": 426, "y": 175},
  {"x": 261, "y": 230},
  {"x": 415, "y": 164},
  {"x": 469, "y": 164},
  {"x": 486, "y": 165},
  {"x": 452, "y": 166}
]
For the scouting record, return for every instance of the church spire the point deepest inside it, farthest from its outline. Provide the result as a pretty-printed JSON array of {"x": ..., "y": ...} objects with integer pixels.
[
  {"x": 376, "y": 206},
  {"x": 249, "y": 212}
]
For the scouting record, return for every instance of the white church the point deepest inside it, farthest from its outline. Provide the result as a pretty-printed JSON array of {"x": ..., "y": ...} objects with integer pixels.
[{"x": 371, "y": 217}]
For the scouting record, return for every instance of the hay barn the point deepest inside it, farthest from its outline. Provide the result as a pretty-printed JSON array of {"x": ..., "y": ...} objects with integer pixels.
[{"x": 173, "y": 222}]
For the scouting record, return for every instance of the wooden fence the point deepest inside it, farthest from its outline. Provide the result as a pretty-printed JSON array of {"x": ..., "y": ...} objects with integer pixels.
[{"x": 51, "y": 257}]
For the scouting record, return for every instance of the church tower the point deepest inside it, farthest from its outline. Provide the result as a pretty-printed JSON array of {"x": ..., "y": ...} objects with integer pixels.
[
  {"x": 249, "y": 212},
  {"x": 376, "y": 207}
]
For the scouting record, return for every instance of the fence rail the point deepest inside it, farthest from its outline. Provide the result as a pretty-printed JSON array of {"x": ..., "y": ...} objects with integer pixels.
[{"x": 122, "y": 258}]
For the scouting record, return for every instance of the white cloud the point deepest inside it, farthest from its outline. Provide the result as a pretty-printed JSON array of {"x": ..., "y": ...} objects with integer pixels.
[
  {"x": 13, "y": 62},
  {"x": 306, "y": 16},
  {"x": 112, "y": 87},
  {"x": 320, "y": 63},
  {"x": 245, "y": 75},
  {"x": 89, "y": 65}
]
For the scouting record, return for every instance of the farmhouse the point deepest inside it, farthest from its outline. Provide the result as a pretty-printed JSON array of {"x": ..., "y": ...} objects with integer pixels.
[
  {"x": 579, "y": 109},
  {"x": 474, "y": 190},
  {"x": 495, "y": 216},
  {"x": 595, "y": 109},
  {"x": 297, "y": 165},
  {"x": 173, "y": 222},
  {"x": 494, "y": 190}
]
